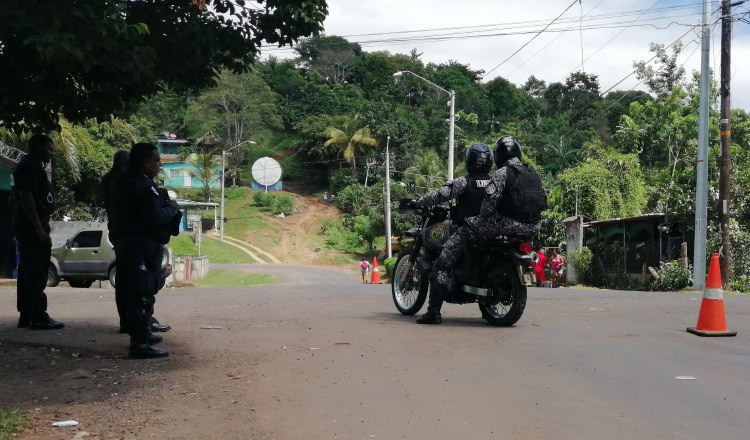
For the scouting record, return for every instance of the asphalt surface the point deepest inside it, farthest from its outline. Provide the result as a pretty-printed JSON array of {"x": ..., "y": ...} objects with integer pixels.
[{"x": 321, "y": 360}]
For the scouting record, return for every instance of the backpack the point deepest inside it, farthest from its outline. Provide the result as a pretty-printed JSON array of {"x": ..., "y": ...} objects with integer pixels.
[
  {"x": 363, "y": 265},
  {"x": 524, "y": 197}
]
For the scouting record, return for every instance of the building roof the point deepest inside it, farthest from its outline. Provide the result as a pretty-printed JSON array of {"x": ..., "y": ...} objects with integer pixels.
[{"x": 641, "y": 218}]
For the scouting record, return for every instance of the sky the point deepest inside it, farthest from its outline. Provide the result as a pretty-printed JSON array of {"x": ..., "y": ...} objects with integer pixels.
[{"x": 602, "y": 37}]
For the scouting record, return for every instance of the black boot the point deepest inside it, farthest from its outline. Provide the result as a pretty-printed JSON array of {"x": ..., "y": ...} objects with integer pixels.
[
  {"x": 435, "y": 302},
  {"x": 45, "y": 323},
  {"x": 154, "y": 339},
  {"x": 24, "y": 321},
  {"x": 431, "y": 317},
  {"x": 145, "y": 351}
]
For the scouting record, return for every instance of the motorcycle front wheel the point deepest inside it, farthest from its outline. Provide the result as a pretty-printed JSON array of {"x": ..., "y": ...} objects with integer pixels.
[
  {"x": 409, "y": 293},
  {"x": 507, "y": 300}
]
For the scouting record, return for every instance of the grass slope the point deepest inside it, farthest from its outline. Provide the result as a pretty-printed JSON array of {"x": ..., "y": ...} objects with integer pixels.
[{"x": 217, "y": 252}]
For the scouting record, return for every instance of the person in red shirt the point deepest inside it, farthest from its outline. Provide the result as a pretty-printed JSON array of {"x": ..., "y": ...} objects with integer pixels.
[{"x": 539, "y": 266}]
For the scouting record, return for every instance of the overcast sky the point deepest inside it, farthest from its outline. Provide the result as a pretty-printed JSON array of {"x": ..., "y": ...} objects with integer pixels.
[{"x": 485, "y": 33}]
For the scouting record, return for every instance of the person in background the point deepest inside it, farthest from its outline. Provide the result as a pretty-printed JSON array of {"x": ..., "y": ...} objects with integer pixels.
[
  {"x": 539, "y": 266},
  {"x": 556, "y": 266},
  {"x": 35, "y": 203},
  {"x": 363, "y": 267}
]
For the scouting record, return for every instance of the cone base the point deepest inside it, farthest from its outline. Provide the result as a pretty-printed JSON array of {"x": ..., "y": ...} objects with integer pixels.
[{"x": 695, "y": 331}]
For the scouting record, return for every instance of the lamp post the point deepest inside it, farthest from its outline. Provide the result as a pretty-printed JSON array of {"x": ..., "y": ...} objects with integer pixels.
[
  {"x": 223, "y": 167},
  {"x": 451, "y": 122}
]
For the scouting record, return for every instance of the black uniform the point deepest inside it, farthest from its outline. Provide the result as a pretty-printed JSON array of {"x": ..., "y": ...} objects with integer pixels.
[
  {"x": 121, "y": 297},
  {"x": 142, "y": 223},
  {"x": 469, "y": 192},
  {"x": 31, "y": 176},
  {"x": 489, "y": 224}
]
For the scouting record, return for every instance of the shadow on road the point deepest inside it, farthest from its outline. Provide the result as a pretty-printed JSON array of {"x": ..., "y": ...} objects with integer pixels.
[{"x": 82, "y": 363}]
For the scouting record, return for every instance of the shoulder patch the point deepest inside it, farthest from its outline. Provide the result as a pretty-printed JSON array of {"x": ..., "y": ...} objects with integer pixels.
[{"x": 490, "y": 189}]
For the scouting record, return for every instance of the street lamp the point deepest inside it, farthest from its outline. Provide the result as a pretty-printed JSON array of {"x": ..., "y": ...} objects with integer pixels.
[
  {"x": 223, "y": 167},
  {"x": 452, "y": 120}
]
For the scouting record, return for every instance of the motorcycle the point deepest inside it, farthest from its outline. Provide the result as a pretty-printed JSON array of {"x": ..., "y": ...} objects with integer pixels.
[{"x": 494, "y": 274}]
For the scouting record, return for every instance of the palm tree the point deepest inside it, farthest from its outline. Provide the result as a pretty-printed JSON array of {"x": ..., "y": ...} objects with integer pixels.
[
  {"x": 560, "y": 154},
  {"x": 427, "y": 172},
  {"x": 348, "y": 139},
  {"x": 205, "y": 162}
]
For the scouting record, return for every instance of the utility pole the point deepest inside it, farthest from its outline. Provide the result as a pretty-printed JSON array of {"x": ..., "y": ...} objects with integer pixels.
[
  {"x": 701, "y": 184},
  {"x": 725, "y": 191},
  {"x": 388, "y": 198}
]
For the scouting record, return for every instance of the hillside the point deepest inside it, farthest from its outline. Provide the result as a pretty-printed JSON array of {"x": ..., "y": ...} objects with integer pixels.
[{"x": 296, "y": 238}]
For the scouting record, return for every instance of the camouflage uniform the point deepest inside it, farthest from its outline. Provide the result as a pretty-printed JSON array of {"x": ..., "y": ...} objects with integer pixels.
[
  {"x": 449, "y": 191},
  {"x": 487, "y": 225}
]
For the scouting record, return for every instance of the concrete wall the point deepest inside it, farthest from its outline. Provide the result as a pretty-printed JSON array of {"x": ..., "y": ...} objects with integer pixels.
[
  {"x": 61, "y": 231},
  {"x": 189, "y": 267}
]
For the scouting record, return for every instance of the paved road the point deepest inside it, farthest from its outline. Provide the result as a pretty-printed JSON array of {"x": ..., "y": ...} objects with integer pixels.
[
  {"x": 297, "y": 275},
  {"x": 337, "y": 361}
]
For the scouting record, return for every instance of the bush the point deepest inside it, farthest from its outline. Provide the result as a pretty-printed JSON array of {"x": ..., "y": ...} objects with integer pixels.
[
  {"x": 741, "y": 284},
  {"x": 672, "y": 277},
  {"x": 390, "y": 264},
  {"x": 582, "y": 259},
  {"x": 274, "y": 202}
]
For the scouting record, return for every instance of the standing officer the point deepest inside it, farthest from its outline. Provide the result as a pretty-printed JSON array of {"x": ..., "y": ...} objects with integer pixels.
[
  {"x": 119, "y": 168},
  {"x": 140, "y": 221},
  {"x": 513, "y": 202},
  {"x": 34, "y": 205}
]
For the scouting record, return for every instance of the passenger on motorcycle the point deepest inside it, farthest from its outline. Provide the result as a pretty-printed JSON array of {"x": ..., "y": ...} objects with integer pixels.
[{"x": 507, "y": 209}]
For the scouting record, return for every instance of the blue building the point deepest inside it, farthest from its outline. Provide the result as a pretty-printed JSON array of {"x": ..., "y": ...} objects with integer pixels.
[{"x": 179, "y": 174}]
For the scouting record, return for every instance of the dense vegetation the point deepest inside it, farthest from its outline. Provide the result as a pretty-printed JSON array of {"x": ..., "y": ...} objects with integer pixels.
[{"x": 326, "y": 116}]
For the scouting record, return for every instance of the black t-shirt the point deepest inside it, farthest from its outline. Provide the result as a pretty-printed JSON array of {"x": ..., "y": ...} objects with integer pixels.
[{"x": 30, "y": 175}]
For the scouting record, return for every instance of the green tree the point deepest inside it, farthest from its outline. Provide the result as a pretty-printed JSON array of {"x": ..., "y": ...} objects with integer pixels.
[
  {"x": 607, "y": 187},
  {"x": 206, "y": 166},
  {"x": 348, "y": 139},
  {"x": 93, "y": 58},
  {"x": 428, "y": 171},
  {"x": 663, "y": 79}
]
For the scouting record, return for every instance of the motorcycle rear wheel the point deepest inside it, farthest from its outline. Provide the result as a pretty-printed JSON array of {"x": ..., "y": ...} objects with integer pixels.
[
  {"x": 505, "y": 305},
  {"x": 408, "y": 294}
]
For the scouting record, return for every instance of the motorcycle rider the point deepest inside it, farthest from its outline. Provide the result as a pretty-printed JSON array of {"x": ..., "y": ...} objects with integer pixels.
[
  {"x": 500, "y": 214},
  {"x": 467, "y": 190}
]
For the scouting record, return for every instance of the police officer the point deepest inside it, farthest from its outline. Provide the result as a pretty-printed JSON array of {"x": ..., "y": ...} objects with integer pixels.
[
  {"x": 34, "y": 205},
  {"x": 469, "y": 192},
  {"x": 141, "y": 223},
  {"x": 496, "y": 218},
  {"x": 119, "y": 168}
]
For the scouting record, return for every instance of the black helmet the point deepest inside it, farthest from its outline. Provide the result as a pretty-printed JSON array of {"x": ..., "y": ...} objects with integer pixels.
[
  {"x": 478, "y": 158},
  {"x": 505, "y": 148}
]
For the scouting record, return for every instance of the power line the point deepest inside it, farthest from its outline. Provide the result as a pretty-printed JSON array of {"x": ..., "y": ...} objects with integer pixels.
[
  {"x": 600, "y": 95},
  {"x": 611, "y": 39},
  {"x": 553, "y": 40},
  {"x": 470, "y": 33}
]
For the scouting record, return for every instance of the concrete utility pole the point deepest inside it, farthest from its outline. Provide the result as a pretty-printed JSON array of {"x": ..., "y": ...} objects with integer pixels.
[
  {"x": 701, "y": 184},
  {"x": 388, "y": 198},
  {"x": 725, "y": 191}
]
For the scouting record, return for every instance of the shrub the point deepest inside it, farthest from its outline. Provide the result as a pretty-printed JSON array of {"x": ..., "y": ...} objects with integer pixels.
[
  {"x": 274, "y": 202},
  {"x": 741, "y": 284},
  {"x": 582, "y": 259},
  {"x": 672, "y": 277},
  {"x": 390, "y": 264}
]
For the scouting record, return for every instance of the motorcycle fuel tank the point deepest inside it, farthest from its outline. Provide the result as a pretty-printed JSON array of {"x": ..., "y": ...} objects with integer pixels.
[{"x": 435, "y": 236}]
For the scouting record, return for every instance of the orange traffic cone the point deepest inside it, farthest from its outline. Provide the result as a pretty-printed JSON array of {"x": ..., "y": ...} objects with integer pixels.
[
  {"x": 375, "y": 272},
  {"x": 711, "y": 321}
]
